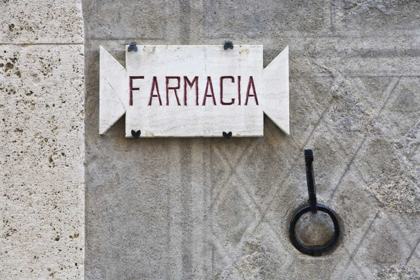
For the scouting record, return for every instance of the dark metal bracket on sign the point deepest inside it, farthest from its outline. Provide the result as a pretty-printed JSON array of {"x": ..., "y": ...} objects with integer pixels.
[
  {"x": 227, "y": 135},
  {"x": 135, "y": 134},
  {"x": 228, "y": 45},
  {"x": 133, "y": 47},
  {"x": 313, "y": 207}
]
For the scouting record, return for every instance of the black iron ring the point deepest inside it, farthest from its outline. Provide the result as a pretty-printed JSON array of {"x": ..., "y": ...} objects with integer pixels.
[{"x": 319, "y": 249}]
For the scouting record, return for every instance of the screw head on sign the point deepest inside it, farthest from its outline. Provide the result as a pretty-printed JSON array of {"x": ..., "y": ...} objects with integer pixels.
[
  {"x": 228, "y": 45},
  {"x": 135, "y": 134},
  {"x": 133, "y": 47},
  {"x": 227, "y": 135}
]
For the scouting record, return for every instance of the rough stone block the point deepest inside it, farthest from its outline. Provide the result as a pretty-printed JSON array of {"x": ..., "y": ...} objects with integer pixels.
[
  {"x": 222, "y": 208},
  {"x": 42, "y": 174},
  {"x": 46, "y": 21},
  {"x": 376, "y": 18},
  {"x": 260, "y": 19},
  {"x": 127, "y": 20},
  {"x": 402, "y": 109}
]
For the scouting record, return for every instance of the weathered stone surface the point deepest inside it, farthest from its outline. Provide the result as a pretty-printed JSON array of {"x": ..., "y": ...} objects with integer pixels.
[
  {"x": 217, "y": 209},
  {"x": 46, "y": 21},
  {"x": 254, "y": 19},
  {"x": 42, "y": 140},
  {"x": 146, "y": 19},
  {"x": 376, "y": 18},
  {"x": 42, "y": 178}
]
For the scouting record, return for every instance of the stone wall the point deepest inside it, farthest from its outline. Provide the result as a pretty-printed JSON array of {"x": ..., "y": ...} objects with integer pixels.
[
  {"x": 41, "y": 140},
  {"x": 210, "y": 208},
  {"x": 220, "y": 209}
]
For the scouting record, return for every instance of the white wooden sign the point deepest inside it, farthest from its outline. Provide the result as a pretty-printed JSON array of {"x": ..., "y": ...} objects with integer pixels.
[{"x": 194, "y": 91}]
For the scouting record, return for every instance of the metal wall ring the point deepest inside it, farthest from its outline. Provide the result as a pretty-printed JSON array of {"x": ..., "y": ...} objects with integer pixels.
[{"x": 319, "y": 249}]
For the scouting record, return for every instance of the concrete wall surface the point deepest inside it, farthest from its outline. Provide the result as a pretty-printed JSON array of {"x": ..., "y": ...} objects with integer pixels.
[
  {"x": 210, "y": 208},
  {"x": 41, "y": 140},
  {"x": 220, "y": 209}
]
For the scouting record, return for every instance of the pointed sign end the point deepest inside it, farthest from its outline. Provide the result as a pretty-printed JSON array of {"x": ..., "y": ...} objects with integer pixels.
[
  {"x": 275, "y": 101},
  {"x": 286, "y": 130},
  {"x": 112, "y": 84}
]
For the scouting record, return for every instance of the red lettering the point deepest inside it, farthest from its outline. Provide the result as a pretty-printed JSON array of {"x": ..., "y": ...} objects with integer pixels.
[
  {"x": 190, "y": 84},
  {"x": 239, "y": 90},
  {"x": 251, "y": 84},
  {"x": 209, "y": 84},
  {"x": 133, "y": 88},
  {"x": 173, "y": 88},
  {"x": 154, "y": 85},
  {"x": 221, "y": 90}
]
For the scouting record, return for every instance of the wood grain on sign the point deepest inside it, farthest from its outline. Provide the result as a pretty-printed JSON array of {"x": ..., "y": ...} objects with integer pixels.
[{"x": 194, "y": 91}]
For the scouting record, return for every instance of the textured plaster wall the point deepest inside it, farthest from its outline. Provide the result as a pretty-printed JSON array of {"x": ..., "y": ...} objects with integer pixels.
[
  {"x": 41, "y": 140},
  {"x": 220, "y": 209},
  {"x": 210, "y": 208}
]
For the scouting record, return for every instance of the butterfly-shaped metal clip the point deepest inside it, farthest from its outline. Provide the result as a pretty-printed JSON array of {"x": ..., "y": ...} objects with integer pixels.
[{"x": 133, "y": 47}]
